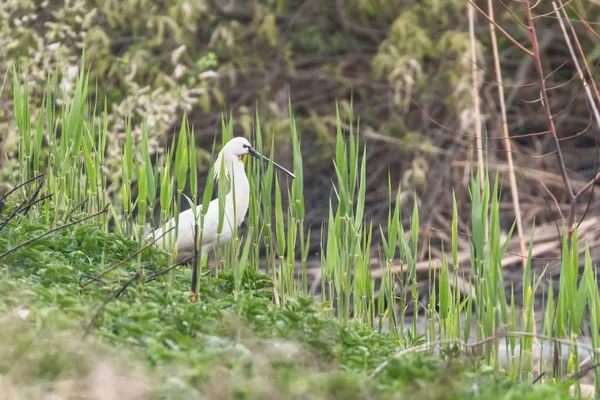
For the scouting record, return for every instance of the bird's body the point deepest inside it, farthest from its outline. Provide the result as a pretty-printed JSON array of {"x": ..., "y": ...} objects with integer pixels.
[
  {"x": 233, "y": 217},
  {"x": 235, "y": 208}
]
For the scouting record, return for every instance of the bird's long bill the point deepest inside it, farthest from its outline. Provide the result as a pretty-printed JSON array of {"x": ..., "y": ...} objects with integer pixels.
[{"x": 256, "y": 154}]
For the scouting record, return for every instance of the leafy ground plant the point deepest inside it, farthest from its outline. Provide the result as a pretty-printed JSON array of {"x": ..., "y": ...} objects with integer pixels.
[
  {"x": 84, "y": 289},
  {"x": 153, "y": 343}
]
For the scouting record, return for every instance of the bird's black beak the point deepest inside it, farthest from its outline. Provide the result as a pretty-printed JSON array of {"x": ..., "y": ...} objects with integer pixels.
[{"x": 256, "y": 154}]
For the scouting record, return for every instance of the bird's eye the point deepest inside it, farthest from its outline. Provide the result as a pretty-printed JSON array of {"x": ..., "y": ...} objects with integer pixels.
[{"x": 245, "y": 146}]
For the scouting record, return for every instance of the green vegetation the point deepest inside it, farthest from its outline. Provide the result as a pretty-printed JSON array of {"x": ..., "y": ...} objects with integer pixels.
[
  {"x": 100, "y": 141},
  {"x": 200, "y": 58},
  {"x": 161, "y": 345},
  {"x": 246, "y": 327}
]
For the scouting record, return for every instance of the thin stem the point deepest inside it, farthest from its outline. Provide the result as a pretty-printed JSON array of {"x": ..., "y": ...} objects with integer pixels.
[
  {"x": 548, "y": 113},
  {"x": 507, "y": 143},
  {"x": 58, "y": 228},
  {"x": 588, "y": 93},
  {"x": 20, "y": 185},
  {"x": 513, "y": 15},
  {"x": 576, "y": 62},
  {"x": 506, "y": 34},
  {"x": 476, "y": 106},
  {"x": 166, "y": 270},
  {"x": 75, "y": 208},
  {"x": 97, "y": 277},
  {"x": 588, "y": 185},
  {"x": 106, "y": 301},
  {"x": 554, "y": 199},
  {"x": 33, "y": 203}
]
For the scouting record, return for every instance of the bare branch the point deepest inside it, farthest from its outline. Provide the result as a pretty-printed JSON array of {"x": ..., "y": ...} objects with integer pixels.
[
  {"x": 58, "y": 228},
  {"x": 106, "y": 301},
  {"x": 577, "y": 134},
  {"x": 584, "y": 22},
  {"x": 507, "y": 143},
  {"x": 515, "y": 18},
  {"x": 475, "y": 94},
  {"x": 554, "y": 199},
  {"x": 555, "y": 70},
  {"x": 97, "y": 277},
  {"x": 588, "y": 92},
  {"x": 33, "y": 203},
  {"x": 506, "y": 34},
  {"x": 26, "y": 205},
  {"x": 546, "y": 105},
  {"x": 589, "y": 185},
  {"x": 589, "y": 202},
  {"x": 20, "y": 185},
  {"x": 568, "y": 106},
  {"x": 535, "y": 5},
  {"x": 552, "y": 12},
  {"x": 585, "y": 63},
  {"x": 75, "y": 208},
  {"x": 561, "y": 85},
  {"x": 166, "y": 270}
]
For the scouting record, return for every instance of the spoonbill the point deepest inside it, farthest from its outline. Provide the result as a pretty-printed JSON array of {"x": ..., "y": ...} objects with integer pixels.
[{"x": 235, "y": 209}]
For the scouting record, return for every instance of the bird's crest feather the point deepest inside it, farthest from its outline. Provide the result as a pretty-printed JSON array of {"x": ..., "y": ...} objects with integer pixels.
[{"x": 220, "y": 163}]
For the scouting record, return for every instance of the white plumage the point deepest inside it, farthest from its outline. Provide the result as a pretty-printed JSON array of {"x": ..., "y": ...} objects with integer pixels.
[{"x": 235, "y": 211}]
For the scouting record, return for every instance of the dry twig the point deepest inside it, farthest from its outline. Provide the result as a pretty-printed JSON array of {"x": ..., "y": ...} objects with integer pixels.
[
  {"x": 97, "y": 277},
  {"x": 58, "y": 228},
  {"x": 507, "y": 144}
]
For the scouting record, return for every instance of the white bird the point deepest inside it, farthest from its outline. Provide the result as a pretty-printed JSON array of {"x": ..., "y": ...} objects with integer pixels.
[{"x": 235, "y": 211}]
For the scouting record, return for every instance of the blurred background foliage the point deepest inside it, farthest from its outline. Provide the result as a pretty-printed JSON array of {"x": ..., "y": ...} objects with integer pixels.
[{"x": 404, "y": 65}]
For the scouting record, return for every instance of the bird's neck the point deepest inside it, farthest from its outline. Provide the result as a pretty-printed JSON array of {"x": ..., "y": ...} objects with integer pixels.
[{"x": 239, "y": 194}]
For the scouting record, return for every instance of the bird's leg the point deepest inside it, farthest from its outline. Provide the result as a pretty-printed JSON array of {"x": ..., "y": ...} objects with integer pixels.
[
  {"x": 196, "y": 267},
  {"x": 196, "y": 273},
  {"x": 194, "y": 283}
]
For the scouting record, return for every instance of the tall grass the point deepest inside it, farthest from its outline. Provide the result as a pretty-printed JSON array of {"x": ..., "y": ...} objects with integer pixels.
[{"x": 66, "y": 142}]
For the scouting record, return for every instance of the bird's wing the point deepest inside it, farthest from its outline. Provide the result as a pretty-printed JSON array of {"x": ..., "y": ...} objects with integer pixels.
[
  {"x": 185, "y": 230},
  {"x": 210, "y": 225}
]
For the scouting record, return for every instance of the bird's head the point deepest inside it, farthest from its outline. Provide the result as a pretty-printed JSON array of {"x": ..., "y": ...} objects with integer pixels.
[
  {"x": 231, "y": 153},
  {"x": 234, "y": 151},
  {"x": 237, "y": 148}
]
